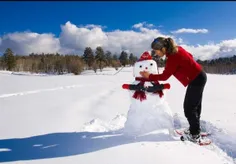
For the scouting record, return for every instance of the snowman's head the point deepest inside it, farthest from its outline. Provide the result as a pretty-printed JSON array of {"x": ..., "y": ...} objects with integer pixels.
[{"x": 145, "y": 63}]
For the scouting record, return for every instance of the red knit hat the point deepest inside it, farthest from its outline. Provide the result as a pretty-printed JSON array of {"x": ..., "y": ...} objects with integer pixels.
[{"x": 145, "y": 56}]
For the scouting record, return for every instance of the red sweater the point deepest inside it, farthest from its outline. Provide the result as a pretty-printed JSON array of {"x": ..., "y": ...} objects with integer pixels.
[{"x": 181, "y": 65}]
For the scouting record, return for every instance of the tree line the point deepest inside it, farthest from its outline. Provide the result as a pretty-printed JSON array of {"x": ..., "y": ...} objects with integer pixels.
[
  {"x": 60, "y": 64},
  {"x": 226, "y": 65},
  {"x": 95, "y": 60}
]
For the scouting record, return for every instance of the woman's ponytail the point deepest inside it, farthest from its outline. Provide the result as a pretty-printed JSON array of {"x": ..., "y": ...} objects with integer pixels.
[
  {"x": 170, "y": 46},
  {"x": 167, "y": 43}
]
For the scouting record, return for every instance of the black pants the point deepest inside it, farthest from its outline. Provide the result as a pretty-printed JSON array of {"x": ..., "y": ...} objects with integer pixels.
[{"x": 193, "y": 102}]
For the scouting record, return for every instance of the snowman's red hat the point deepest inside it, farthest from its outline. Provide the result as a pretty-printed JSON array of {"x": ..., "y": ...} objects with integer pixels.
[{"x": 145, "y": 56}]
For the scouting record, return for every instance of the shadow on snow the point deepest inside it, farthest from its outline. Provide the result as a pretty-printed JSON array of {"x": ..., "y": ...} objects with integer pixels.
[{"x": 67, "y": 144}]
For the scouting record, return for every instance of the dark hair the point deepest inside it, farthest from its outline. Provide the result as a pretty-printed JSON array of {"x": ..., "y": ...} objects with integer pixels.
[{"x": 161, "y": 42}]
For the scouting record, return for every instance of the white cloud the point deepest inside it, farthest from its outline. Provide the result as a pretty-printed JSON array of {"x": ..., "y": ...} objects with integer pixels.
[
  {"x": 179, "y": 41},
  {"x": 73, "y": 39},
  {"x": 27, "y": 42},
  {"x": 77, "y": 38},
  {"x": 228, "y": 43},
  {"x": 143, "y": 24},
  {"x": 93, "y": 26},
  {"x": 226, "y": 48},
  {"x": 188, "y": 30},
  {"x": 138, "y": 25},
  {"x": 150, "y": 25},
  {"x": 203, "y": 52}
]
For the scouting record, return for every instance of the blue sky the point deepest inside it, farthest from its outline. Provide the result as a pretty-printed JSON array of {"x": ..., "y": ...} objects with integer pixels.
[{"x": 218, "y": 18}]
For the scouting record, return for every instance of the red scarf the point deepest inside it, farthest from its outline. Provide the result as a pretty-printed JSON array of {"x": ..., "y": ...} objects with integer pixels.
[{"x": 141, "y": 94}]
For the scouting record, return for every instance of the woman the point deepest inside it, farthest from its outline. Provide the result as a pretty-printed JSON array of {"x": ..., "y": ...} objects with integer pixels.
[{"x": 184, "y": 68}]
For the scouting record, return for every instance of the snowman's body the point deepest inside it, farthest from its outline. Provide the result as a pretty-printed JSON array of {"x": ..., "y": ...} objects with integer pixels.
[{"x": 153, "y": 113}]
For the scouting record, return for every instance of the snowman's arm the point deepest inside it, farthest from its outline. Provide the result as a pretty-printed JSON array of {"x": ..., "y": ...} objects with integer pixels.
[
  {"x": 134, "y": 87},
  {"x": 158, "y": 87},
  {"x": 155, "y": 88}
]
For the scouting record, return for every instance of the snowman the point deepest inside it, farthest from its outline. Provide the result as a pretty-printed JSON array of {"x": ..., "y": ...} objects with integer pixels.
[{"x": 148, "y": 110}]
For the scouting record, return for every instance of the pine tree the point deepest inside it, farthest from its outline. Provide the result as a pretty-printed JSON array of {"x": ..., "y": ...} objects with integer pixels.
[
  {"x": 88, "y": 56},
  {"x": 108, "y": 58},
  {"x": 115, "y": 57},
  {"x": 1, "y": 62},
  {"x": 132, "y": 59},
  {"x": 100, "y": 57},
  {"x": 123, "y": 58},
  {"x": 9, "y": 59}
]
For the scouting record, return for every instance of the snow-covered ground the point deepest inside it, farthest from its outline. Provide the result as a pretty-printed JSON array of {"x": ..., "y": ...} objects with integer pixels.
[{"x": 79, "y": 119}]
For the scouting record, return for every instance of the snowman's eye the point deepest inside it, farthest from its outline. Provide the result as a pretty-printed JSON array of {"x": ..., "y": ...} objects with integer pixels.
[
  {"x": 151, "y": 64},
  {"x": 140, "y": 66}
]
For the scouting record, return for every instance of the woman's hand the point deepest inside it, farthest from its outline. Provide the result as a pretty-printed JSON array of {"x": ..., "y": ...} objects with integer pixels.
[{"x": 144, "y": 74}]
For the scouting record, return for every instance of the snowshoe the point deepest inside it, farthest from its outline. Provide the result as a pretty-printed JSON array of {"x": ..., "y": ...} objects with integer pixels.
[
  {"x": 198, "y": 139},
  {"x": 182, "y": 131}
]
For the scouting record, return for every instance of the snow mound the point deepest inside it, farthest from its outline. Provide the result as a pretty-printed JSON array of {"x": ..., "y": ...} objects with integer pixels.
[
  {"x": 148, "y": 115},
  {"x": 98, "y": 125}
]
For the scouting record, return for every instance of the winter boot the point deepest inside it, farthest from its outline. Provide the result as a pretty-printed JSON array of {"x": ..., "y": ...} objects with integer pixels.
[
  {"x": 187, "y": 131},
  {"x": 194, "y": 138}
]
